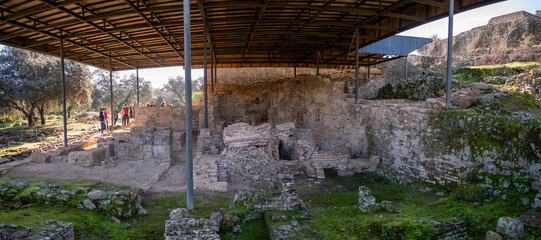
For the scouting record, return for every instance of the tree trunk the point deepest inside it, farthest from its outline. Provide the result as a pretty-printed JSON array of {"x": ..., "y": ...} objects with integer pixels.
[
  {"x": 30, "y": 119},
  {"x": 41, "y": 111}
]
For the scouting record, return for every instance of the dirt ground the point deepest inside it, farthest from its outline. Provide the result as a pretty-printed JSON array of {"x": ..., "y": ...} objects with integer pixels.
[{"x": 137, "y": 174}]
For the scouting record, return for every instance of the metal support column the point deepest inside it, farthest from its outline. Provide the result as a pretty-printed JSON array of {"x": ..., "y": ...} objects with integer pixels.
[
  {"x": 215, "y": 70},
  {"x": 449, "y": 53},
  {"x": 65, "y": 121},
  {"x": 295, "y": 71},
  {"x": 205, "y": 79},
  {"x": 356, "y": 66},
  {"x": 111, "y": 92},
  {"x": 406, "y": 69},
  {"x": 137, "y": 77},
  {"x": 188, "y": 107},
  {"x": 211, "y": 72}
]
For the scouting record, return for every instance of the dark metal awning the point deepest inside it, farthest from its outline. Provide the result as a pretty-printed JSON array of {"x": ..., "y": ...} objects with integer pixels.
[
  {"x": 396, "y": 45},
  {"x": 240, "y": 33}
]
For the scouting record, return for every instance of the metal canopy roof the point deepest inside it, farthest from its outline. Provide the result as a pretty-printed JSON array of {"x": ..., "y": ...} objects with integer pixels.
[
  {"x": 396, "y": 45},
  {"x": 241, "y": 33}
]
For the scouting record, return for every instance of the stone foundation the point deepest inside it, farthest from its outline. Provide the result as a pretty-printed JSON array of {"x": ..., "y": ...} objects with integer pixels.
[
  {"x": 50, "y": 229},
  {"x": 181, "y": 226}
]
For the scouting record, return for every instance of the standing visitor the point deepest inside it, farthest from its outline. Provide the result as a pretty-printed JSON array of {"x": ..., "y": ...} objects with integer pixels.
[
  {"x": 126, "y": 116},
  {"x": 163, "y": 104},
  {"x": 153, "y": 104},
  {"x": 106, "y": 123},
  {"x": 132, "y": 112},
  {"x": 115, "y": 116},
  {"x": 102, "y": 120}
]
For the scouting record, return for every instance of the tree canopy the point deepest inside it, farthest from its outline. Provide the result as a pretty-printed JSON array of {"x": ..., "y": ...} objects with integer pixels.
[{"x": 31, "y": 81}]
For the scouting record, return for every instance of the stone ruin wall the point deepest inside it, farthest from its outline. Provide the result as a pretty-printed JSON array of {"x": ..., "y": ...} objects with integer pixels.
[
  {"x": 403, "y": 133},
  {"x": 170, "y": 117}
]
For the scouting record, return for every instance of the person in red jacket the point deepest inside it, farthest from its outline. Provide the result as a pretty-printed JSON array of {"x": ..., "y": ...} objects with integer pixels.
[
  {"x": 125, "y": 115},
  {"x": 106, "y": 123}
]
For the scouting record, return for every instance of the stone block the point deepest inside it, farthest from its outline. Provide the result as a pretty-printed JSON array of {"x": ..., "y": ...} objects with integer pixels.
[
  {"x": 510, "y": 227},
  {"x": 40, "y": 157},
  {"x": 109, "y": 146},
  {"x": 162, "y": 153},
  {"x": 88, "y": 158},
  {"x": 178, "y": 140},
  {"x": 128, "y": 150},
  {"x": 285, "y": 126},
  {"x": 147, "y": 152},
  {"x": 78, "y": 146},
  {"x": 142, "y": 135},
  {"x": 162, "y": 137}
]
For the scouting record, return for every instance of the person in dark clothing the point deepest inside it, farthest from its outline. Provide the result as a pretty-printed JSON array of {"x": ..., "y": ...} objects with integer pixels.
[
  {"x": 132, "y": 112},
  {"x": 102, "y": 120}
]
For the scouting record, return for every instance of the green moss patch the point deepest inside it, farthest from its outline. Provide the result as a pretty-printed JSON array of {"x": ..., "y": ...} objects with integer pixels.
[
  {"x": 477, "y": 73},
  {"x": 422, "y": 214}
]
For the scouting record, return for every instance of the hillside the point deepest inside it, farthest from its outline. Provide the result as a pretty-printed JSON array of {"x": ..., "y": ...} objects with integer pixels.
[{"x": 516, "y": 30}]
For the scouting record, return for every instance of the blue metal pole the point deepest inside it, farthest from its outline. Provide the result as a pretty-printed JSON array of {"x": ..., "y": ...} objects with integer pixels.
[
  {"x": 188, "y": 97},
  {"x": 205, "y": 79},
  {"x": 63, "y": 93},
  {"x": 449, "y": 54},
  {"x": 357, "y": 66}
]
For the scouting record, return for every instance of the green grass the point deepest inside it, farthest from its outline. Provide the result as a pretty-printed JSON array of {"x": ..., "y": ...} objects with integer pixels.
[
  {"x": 255, "y": 229},
  {"x": 93, "y": 225},
  {"x": 335, "y": 217}
]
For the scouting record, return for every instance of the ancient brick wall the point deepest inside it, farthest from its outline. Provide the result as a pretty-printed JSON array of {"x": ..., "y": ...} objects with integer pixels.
[{"x": 172, "y": 117}]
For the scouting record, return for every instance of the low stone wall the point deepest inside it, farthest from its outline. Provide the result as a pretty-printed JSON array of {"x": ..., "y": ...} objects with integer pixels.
[
  {"x": 147, "y": 143},
  {"x": 170, "y": 117},
  {"x": 182, "y": 226},
  {"x": 117, "y": 203},
  {"x": 50, "y": 229}
]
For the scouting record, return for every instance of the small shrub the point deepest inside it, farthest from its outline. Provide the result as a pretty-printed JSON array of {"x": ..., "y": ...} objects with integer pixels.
[{"x": 513, "y": 89}]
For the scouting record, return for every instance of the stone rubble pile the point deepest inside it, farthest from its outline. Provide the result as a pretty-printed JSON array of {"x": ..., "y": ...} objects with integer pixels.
[
  {"x": 367, "y": 202},
  {"x": 117, "y": 203},
  {"x": 282, "y": 196},
  {"x": 280, "y": 206},
  {"x": 50, "y": 229},
  {"x": 250, "y": 152},
  {"x": 181, "y": 226}
]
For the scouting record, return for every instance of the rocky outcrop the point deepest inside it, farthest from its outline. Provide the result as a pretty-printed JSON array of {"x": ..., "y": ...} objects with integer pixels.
[{"x": 515, "y": 30}]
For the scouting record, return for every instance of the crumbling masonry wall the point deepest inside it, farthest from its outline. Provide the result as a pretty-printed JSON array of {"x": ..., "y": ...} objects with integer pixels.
[{"x": 413, "y": 140}]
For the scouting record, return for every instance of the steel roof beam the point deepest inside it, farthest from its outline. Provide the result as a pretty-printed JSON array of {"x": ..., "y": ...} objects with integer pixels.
[
  {"x": 254, "y": 30},
  {"x": 134, "y": 8},
  {"x": 17, "y": 24},
  {"x": 75, "y": 15}
]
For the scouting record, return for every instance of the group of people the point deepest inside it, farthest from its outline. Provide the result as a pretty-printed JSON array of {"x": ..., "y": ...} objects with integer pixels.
[
  {"x": 153, "y": 104},
  {"x": 127, "y": 113}
]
